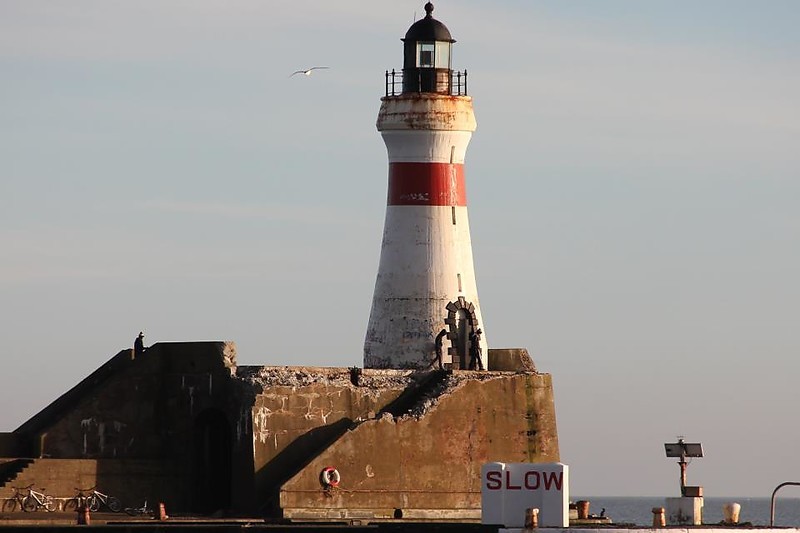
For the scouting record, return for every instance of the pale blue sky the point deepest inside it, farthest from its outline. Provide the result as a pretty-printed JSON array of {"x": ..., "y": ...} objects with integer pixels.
[{"x": 633, "y": 190}]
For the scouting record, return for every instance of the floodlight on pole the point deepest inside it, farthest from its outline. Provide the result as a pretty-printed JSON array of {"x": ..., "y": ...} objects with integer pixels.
[{"x": 683, "y": 450}]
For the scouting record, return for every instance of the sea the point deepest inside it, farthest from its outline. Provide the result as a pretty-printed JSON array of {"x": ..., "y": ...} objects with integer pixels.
[{"x": 638, "y": 510}]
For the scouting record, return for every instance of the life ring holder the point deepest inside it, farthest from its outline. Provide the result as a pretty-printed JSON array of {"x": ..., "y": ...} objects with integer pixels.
[{"x": 330, "y": 477}]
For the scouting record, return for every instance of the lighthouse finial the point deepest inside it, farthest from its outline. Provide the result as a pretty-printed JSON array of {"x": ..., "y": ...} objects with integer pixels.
[{"x": 428, "y": 10}]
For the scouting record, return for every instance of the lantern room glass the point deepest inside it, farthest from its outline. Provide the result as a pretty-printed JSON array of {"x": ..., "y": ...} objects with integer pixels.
[
  {"x": 425, "y": 54},
  {"x": 434, "y": 54},
  {"x": 442, "y": 58}
]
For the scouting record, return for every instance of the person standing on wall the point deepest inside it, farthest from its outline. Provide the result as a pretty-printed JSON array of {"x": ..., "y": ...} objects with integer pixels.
[
  {"x": 438, "y": 347},
  {"x": 138, "y": 345},
  {"x": 475, "y": 360}
]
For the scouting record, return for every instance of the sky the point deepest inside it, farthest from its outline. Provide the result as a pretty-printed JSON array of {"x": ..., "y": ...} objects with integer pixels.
[{"x": 632, "y": 185}]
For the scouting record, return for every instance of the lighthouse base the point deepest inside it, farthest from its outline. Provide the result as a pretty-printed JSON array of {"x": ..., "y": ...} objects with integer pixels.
[
  {"x": 422, "y": 461},
  {"x": 186, "y": 426}
]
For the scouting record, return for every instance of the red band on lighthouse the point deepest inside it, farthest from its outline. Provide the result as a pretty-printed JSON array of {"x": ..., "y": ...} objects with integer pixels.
[{"x": 427, "y": 184}]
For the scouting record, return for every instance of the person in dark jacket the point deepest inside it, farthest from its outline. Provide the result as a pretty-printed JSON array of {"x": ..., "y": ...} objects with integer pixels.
[
  {"x": 138, "y": 345},
  {"x": 475, "y": 361},
  {"x": 438, "y": 347}
]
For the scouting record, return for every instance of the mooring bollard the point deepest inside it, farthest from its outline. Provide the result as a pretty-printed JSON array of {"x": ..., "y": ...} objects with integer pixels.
[
  {"x": 162, "y": 512},
  {"x": 531, "y": 518},
  {"x": 730, "y": 512},
  {"x": 583, "y": 509},
  {"x": 659, "y": 517}
]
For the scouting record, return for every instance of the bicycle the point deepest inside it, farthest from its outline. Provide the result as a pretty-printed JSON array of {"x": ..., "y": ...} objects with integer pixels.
[
  {"x": 36, "y": 500},
  {"x": 140, "y": 511},
  {"x": 77, "y": 501},
  {"x": 11, "y": 504},
  {"x": 97, "y": 498}
]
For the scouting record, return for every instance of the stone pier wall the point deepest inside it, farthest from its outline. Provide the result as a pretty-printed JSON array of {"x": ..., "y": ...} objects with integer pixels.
[{"x": 183, "y": 424}]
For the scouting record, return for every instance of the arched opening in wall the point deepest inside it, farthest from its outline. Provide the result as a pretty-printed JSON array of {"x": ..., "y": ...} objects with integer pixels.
[
  {"x": 211, "y": 462},
  {"x": 462, "y": 321},
  {"x": 462, "y": 339}
]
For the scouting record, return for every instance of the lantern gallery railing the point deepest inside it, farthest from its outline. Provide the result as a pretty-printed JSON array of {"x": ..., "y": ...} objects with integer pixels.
[{"x": 452, "y": 82}]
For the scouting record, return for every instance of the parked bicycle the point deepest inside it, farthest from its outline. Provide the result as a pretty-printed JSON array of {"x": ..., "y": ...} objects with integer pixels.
[
  {"x": 77, "y": 501},
  {"x": 15, "y": 502},
  {"x": 35, "y": 500},
  {"x": 96, "y": 498},
  {"x": 144, "y": 510}
]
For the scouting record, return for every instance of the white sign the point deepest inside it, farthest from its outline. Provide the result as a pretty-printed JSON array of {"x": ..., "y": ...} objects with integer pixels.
[{"x": 509, "y": 489}]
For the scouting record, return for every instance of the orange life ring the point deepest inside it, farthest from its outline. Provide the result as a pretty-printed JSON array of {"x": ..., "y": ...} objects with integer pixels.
[{"x": 330, "y": 477}]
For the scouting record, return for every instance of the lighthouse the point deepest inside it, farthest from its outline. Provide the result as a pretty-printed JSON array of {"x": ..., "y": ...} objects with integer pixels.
[{"x": 425, "y": 311}]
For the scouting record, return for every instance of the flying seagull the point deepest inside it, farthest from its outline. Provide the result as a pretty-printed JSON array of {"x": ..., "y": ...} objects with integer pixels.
[{"x": 307, "y": 71}]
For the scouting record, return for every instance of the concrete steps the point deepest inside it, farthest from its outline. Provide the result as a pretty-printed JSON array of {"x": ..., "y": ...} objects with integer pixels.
[
  {"x": 56, "y": 477},
  {"x": 132, "y": 481},
  {"x": 11, "y": 469}
]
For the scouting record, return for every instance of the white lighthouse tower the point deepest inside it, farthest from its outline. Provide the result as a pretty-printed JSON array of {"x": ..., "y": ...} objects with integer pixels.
[{"x": 426, "y": 285}]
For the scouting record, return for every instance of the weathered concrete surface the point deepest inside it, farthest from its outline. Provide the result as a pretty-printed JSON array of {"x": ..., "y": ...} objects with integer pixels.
[
  {"x": 429, "y": 464},
  {"x": 510, "y": 360},
  {"x": 12, "y": 445},
  {"x": 138, "y": 409},
  {"x": 130, "y": 480},
  {"x": 141, "y": 422},
  {"x": 182, "y": 424},
  {"x": 301, "y": 410}
]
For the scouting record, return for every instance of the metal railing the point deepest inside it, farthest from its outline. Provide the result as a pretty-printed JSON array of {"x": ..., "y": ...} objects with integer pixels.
[
  {"x": 772, "y": 501},
  {"x": 455, "y": 84}
]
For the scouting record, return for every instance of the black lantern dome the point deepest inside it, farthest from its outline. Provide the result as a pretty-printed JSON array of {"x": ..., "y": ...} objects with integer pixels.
[
  {"x": 428, "y": 29},
  {"x": 427, "y": 50}
]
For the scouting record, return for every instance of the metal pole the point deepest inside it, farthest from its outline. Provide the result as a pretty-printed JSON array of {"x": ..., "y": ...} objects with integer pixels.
[
  {"x": 683, "y": 464},
  {"x": 772, "y": 501}
]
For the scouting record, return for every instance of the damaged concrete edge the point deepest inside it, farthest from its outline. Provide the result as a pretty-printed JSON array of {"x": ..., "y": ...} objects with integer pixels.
[
  {"x": 301, "y": 376},
  {"x": 502, "y": 361},
  {"x": 261, "y": 378}
]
